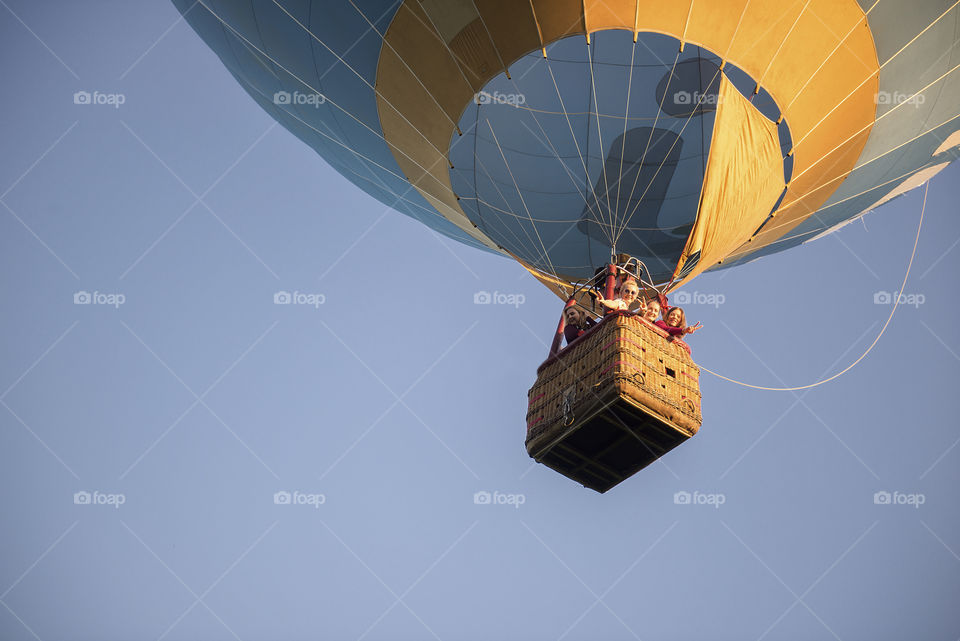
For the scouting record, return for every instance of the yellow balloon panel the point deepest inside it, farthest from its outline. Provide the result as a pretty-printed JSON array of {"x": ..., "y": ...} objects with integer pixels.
[{"x": 810, "y": 57}]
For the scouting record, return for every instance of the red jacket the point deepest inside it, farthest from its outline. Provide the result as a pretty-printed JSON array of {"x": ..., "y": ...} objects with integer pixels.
[
  {"x": 676, "y": 335},
  {"x": 673, "y": 331},
  {"x": 572, "y": 332}
]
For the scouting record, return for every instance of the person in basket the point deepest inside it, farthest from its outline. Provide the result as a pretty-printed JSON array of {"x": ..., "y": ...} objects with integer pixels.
[
  {"x": 626, "y": 298},
  {"x": 577, "y": 322}
]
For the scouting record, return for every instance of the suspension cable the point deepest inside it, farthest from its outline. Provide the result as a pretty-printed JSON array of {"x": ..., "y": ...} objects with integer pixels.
[{"x": 872, "y": 345}]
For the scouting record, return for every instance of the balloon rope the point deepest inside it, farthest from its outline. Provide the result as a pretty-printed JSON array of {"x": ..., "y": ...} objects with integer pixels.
[
  {"x": 865, "y": 127},
  {"x": 546, "y": 254},
  {"x": 841, "y": 43},
  {"x": 865, "y": 81},
  {"x": 626, "y": 119},
  {"x": 603, "y": 162},
  {"x": 520, "y": 243},
  {"x": 693, "y": 111},
  {"x": 841, "y": 177},
  {"x": 875, "y": 341},
  {"x": 646, "y": 148},
  {"x": 583, "y": 162},
  {"x": 531, "y": 111},
  {"x": 327, "y": 100}
]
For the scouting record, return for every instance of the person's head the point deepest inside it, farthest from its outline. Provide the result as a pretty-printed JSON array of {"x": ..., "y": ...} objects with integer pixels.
[
  {"x": 676, "y": 318},
  {"x": 573, "y": 315},
  {"x": 652, "y": 310},
  {"x": 629, "y": 290}
]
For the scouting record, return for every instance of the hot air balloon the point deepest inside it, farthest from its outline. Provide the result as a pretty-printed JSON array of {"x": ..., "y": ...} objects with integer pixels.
[{"x": 689, "y": 135}]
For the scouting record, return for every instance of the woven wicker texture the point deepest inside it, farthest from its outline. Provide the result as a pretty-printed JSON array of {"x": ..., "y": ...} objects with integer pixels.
[{"x": 624, "y": 357}]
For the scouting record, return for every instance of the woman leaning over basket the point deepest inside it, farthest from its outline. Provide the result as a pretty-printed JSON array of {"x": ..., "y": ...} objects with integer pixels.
[
  {"x": 675, "y": 323},
  {"x": 576, "y": 323}
]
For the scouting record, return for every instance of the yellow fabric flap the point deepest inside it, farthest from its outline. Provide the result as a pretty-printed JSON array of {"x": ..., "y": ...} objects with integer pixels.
[{"x": 741, "y": 184}]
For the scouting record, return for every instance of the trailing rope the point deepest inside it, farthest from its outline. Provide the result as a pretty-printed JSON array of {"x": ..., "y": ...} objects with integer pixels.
[{"x": 875, "y": 341}]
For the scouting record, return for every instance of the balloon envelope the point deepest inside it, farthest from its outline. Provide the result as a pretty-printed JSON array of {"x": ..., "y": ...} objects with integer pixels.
[{"x": 692, "y": 135}]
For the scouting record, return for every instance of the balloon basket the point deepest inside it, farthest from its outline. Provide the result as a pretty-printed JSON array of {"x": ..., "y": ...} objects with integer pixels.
[{"x": 612, "y": 402}]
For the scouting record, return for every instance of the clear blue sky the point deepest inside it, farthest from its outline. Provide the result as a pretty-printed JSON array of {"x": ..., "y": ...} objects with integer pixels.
[{"x": 396, "y": 399}]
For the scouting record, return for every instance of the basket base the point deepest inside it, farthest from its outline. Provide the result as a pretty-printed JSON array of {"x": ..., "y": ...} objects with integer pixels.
[{"x": 609, "y": 445}]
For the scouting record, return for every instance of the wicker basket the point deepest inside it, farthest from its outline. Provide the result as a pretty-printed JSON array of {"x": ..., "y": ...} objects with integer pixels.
[{"x": 612, "y": 402}]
